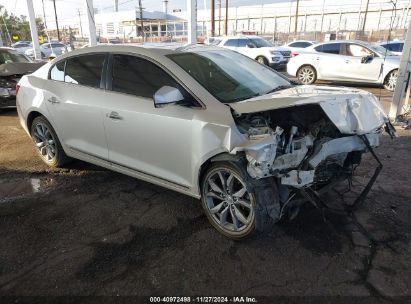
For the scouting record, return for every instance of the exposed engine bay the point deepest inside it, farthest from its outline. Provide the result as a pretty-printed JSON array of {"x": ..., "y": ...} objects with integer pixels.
[{"x": 300, "y": 146}]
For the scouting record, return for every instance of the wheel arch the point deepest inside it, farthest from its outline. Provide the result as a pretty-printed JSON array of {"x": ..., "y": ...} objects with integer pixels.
[
  {"x": 31, "y": 116},
  {"x": 220, "y": 157}
]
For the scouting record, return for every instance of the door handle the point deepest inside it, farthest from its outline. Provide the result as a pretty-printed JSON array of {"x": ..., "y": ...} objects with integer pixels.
[
  {"x": 53, "y": 100},
  {"x": 318, "y": 58},
  {"x": 114, "y": 115},
  {"x": 348, "y": 61}
]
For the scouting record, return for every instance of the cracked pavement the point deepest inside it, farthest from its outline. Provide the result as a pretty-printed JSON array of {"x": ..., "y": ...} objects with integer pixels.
[{"x": 85, "y": 230}]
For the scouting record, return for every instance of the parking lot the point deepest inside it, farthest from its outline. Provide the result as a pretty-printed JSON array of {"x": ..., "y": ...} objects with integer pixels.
[{"x": 84, "y": 230}]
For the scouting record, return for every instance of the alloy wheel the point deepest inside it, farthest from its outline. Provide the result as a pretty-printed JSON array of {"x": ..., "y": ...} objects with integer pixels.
[
  {"x": 391, "y": 81},
  {"x": 228, "y": 201},
  {"x": 45, "y": 142},
  {"x": 306, "y": 75}
]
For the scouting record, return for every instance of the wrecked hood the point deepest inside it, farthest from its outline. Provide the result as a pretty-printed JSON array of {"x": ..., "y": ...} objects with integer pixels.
[
  {"x": 19, "y": 68},
  {"x": 352, "y": 111}
]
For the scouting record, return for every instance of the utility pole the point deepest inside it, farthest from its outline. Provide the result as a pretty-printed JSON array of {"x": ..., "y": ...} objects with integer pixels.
[
  {"x": 57, "y": 23},
  {"x": 296, "y": 18},
  {"x": 91, "y": 26},
  {"x": 33, "y": 30},
  {"x": 226, "y": 18},
  {"x": 212, "y": 18},
  {"x": 192, "y": 21},
  {"x": 141, "y": 19},
  {"x": 116, "y": 5},
  {"x": 219, "y": 17},
  {"x": 79, "y": 18},
  {"x": 44, "y": 15},
  {"x": 365, "y": 16},
  {"x": 165, "y": 8}
]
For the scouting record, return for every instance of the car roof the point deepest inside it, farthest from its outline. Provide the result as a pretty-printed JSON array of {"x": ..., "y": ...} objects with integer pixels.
[{"x": 149, "y": 51}]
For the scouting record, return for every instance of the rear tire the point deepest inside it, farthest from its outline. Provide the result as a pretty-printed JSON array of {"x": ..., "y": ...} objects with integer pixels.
[
  {"x": 390, "y": 80},
  {"x": 307, "y": 74},
  {"x": 47, "y": 143},
  {"x": 236, "y": 205}
]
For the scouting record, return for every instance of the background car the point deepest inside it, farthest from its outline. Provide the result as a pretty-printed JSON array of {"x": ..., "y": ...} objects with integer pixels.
[
  {"x": 204, "y": 121},
  {"x": 12, "y": 67},
  {"x": 256, "y": 48},
  {"x": 298, "y": 45},
  {"x": 395, "y": 47},
  {"x": 350, "y": 61},
  {"x": 22, "y": 46},
  {"x": 47, "y": 49}
]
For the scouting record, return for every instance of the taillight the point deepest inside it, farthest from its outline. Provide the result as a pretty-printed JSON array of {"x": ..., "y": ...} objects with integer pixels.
[
  {"x": 17, "y": 88},
  {"x": 294, "y": 55}
]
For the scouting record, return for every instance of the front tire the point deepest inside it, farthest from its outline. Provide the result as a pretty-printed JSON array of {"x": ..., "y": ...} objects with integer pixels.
[
  {"x": 262, "y": 60},
  {"x": 307, "y": 74},
  {"x": 226, "y": 201},
  {"x": 47, "y": 143},
  {"x": 391, "y": 80}
]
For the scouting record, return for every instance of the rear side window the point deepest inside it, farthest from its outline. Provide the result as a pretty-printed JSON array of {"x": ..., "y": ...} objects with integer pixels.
[
  {"x": 300, "y": 44},
  {"x": 57, "y": 71},
  {"x": 138, "y": 76},
  {"x": 85, "y": 70},
  {"x": 243, "y": 42},
  {"x": 231, "y": 42},
  {"x": 330, "y": 48}
]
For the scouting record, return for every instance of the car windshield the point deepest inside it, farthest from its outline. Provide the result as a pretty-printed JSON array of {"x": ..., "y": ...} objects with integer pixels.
[
  {"x": 229, "y": 76},
  {"x": 380, "y": 50},
  {"x": 8, "y": 56},
  {"x": 259, "y": 42}
]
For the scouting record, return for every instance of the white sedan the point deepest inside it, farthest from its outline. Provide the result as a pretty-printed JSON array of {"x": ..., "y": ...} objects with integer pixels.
[
  {"x": 206, "y": 122},
  {"x": 345, "y": 61},
  {"x": 48, "y": 50}
]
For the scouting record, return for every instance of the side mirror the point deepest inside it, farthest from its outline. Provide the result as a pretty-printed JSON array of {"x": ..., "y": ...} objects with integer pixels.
[
  {"x": 365, "y": 59},
  {"x": 167, "y": 95}
]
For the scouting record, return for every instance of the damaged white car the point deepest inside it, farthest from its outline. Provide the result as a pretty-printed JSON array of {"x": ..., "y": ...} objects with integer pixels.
[{"x": 203, "y": 121}]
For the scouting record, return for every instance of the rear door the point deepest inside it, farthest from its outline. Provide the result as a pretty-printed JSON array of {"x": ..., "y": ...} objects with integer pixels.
[
  {"x": 75, "y": 97},
  {"x": 328, "y": 60}
]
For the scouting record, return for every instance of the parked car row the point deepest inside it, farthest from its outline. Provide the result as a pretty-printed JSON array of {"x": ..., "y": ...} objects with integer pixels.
[
  {"x": 346, "y": 61},
  {"x": 308, "y": 61}
]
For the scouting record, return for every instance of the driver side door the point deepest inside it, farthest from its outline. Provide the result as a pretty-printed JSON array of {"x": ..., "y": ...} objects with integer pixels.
[
  {"x": 154, "y": 142},
  {"x": 353, "y": 68}
]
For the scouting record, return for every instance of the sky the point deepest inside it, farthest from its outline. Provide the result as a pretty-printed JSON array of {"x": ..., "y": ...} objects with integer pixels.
[{"x": 68, "y": 9}]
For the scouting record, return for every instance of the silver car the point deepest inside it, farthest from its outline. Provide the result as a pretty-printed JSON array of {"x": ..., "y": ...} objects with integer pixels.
[
  {"x": 204, "y": 121},
  {"x": 350, "y": 61},
  {"x": 48, "y": 50}
]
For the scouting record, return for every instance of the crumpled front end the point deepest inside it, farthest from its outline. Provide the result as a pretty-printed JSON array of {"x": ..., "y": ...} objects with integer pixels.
[{"x": 311, "y": 145}]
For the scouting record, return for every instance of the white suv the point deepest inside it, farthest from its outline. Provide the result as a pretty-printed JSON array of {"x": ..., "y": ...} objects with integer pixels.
[{"x": 256, "y": 48}]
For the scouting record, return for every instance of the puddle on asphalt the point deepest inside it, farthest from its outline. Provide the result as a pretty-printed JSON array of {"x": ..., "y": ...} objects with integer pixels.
[{"x": 23, "y": 187}]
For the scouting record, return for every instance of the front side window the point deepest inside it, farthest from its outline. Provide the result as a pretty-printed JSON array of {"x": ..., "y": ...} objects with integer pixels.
[
  {"x": 330, "y": 48},
  {"x": 259, "y": 42},
  {"x": 357, "y": 51},
  {"x": 133, "y": 75},
  {"x": 229, "y": 76},
  {"x": 242, "y": 42},
  {"x": 85, "y": 70},
  {"x": 57, "y": 71}
]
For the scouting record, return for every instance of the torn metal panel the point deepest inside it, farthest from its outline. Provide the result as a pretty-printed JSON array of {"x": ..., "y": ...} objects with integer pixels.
[{"x": 342, "y": 145}]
